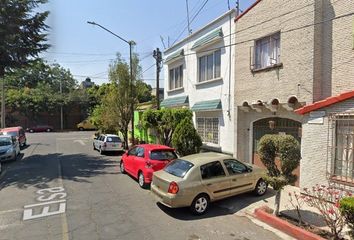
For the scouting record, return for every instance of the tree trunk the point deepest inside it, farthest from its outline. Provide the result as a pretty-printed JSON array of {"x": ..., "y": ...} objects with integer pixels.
[
  {"x": 277, "y": 203},
  {"x": 125, "y": 136}
]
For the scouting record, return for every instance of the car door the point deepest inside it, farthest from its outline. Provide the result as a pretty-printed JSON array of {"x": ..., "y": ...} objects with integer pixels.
[
  {"x": 215, "y": 180},
  {"x": 241, "y": 176},
  {"x": 138, "y": 162},
  {"x": 129, "y": 160}
]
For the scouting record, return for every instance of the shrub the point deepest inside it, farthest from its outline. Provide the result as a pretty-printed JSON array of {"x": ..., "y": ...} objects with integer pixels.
[
  {"x": 186, "y": 139},
  {"x": 326, "y": 200},
  {"x": 287, "y": 149},
  {"x": 346, "y": 206}
]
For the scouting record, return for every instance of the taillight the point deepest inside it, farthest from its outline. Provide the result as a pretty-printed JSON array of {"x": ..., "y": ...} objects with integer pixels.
[
  {"x": 173, "y": 188},
  {"x": 104, "y": 144}
]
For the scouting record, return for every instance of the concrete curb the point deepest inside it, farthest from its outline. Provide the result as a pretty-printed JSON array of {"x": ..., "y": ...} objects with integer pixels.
[{"x": 284, "y": 226}]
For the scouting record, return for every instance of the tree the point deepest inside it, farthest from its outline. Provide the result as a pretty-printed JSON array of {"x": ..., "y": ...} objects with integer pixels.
[
  {"x": 21, "y": 38},
  {"x": 287, "y": 149},
  {"x": 143, "y": 91},
  {"x": 186, "y": 139},
  {"x": 165, "y": 122}
]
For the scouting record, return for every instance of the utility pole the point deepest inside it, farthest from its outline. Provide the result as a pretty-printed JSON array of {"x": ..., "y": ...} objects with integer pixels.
[
  {"x": 3, "y": 125},
  {"x": 61, "y": 106},
  {"x": 237, "y": 8},
  {"x": 158, "y": 56}
]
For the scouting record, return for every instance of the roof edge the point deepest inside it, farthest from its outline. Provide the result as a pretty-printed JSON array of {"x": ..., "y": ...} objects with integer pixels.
[
  {"x": 200, "y": 30},
  {"x": 247, "y": 10},
  {"x": 325, "y": 102}
]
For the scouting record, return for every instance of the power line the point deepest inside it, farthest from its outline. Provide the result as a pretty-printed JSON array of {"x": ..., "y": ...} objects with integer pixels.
[{"x": 148, "y": 68}]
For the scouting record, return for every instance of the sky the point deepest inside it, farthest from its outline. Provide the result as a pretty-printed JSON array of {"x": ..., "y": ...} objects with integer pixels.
[{"x": 87, "y": 50}]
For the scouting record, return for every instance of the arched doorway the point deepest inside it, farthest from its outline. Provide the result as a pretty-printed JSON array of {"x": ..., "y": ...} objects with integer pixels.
[{"x": 274, "y": 125}]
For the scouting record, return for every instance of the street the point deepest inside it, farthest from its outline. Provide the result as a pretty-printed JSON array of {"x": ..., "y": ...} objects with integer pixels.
[{"x": 60, "y": 188}]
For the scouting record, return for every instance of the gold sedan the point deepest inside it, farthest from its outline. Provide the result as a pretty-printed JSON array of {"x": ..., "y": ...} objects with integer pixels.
[{"x": 198, "y": 179}]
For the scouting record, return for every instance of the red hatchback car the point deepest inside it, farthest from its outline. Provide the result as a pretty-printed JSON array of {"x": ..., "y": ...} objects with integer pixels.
[{"x": 142, "y": 160}]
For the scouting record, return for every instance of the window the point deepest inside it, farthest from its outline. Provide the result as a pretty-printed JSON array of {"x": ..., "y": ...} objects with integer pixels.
[
  {"x": 132, "y": 152},
  {"x": 140, "y": 152},
  {"x": 208, "y": 129},
  {"x": 209, "y": 66},
  {"x": 113, "y": 139},
  {"x": 235, "y": 167},
  {"x": 343, "y": 127},
  {"x": 176, "y": 77},
  {"x": 163, "y": 155},
  {"x": 267, "y": 51},
  {"x": 211, "y": 170},
  {"x": 178, "y": 168}
]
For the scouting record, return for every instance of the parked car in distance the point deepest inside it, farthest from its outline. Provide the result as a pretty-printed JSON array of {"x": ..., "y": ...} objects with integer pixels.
[
  {"x": 108, "y": 143},
  {"x": 85, "y": 125},
  {"x": 142, "y": 160},
  {"x": 9, "y": 148},
  {"x": 198, "y": 179},
  {"x": 40, "y": 128},
  {"x": 17, "y": 132}
]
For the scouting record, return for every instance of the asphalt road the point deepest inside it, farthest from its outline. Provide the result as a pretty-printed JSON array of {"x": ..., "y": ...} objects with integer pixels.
[{"x": 61, "y": 189}]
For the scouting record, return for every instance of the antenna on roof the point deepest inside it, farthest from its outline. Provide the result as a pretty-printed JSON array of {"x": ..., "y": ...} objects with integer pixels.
[
  {"x": 188, "y": 22},
  {"x": 228, "y": 4},
  {"x": 237, "y": 7},
  {"x": 163, "y": 42}
]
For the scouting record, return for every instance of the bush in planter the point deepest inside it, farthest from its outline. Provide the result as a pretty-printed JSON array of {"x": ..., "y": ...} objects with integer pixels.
[
  {"x": 185, "y": 139},
  {"x": 287, "y": 149},
  {"x": 346, "y": 206}
]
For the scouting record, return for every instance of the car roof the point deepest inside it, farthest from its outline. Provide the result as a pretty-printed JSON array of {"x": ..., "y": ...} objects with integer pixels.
[
  {"x": 155, "y": 147},
  {"x": 207, "y": 157},
  {"x": 110, "y": 135},
  {"x": 10, "y": 129}
]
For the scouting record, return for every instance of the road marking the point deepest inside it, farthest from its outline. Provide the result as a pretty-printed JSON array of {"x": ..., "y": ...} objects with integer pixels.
[
  {"x": 44, "y": 203},
  {"x": 81, "y": 142},
  {"x": 64, "y": 220}
]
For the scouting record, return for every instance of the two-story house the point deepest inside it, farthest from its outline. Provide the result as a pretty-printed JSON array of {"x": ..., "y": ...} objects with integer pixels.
[
  {"x": 290, "y": 54},
  {"x": 199, "y": 74}
]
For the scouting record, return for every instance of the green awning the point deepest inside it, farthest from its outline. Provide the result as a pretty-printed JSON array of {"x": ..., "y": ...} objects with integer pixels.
[
  {"x": 210, "y": 105},
  {"x": 214, "y": 35},
  {"x": 175, "y": 101},
  {"x": 175, "y": 55}
]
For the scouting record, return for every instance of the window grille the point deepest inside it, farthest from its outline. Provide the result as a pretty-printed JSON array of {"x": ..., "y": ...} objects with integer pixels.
[
  {"x": 340, "y": 147},
  {"x": 208, "y": 129}
]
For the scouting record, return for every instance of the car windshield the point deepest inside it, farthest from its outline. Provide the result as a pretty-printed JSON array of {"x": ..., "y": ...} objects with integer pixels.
[
  {"x": 11, "y": 133},
  {"x": 113, "y": 139},
  {"x": 163, "y": 155},
  {"x": 5, "y": 141},
  {"x": 178, "y": 168}
]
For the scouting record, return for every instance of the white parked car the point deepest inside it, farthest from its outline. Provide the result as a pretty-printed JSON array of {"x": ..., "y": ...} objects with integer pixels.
[
  {"x": 108, "y": 143},
  {"x": 9, "y": 148}
]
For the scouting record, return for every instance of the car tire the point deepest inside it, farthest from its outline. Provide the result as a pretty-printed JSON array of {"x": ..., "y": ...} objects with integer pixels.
[
  {"x": 141, "y": 180},
  {"x": 81, "y": 129},
  {"x": 48, "y": 130},
  {"x": 31, "y": 131},
  {"x": 101, "y": 151},
  {"x": 93, "y": 145},
  {"x": 200, "y": 204},
  {"x": 0, "y": 168},
  {"x": 261, "y": 187},
  {"x": 121, "y": 167}
]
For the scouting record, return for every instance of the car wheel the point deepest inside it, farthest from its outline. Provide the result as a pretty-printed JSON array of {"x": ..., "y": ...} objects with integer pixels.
[
  {"x": 81, "y": 128},
  {"x": 141, "y": 180},
  {"x": 200, "y": 204},
  {"x": 101, "y": 151},
  {"x": 0, "y": 168},
  {"x": 121, "y": 166},
  {"x": 31, "y": 131},
  {"x": 261, "y": 187},
  {"x": 48, "y": 130},
  {"x": 93, "y": 145}
]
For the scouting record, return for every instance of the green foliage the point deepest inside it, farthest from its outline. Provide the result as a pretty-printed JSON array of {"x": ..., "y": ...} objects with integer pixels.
[
  {"x": 287, "y": 149},
  {"x": 346, "y": 207},
  {"x": 185, "y": 138},
  {"x": 165, "y": 121},
  {"x": 22, "y": 37},
  {"x": 143, "y": 91}
]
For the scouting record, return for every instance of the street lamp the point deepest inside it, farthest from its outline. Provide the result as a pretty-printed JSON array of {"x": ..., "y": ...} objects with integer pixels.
[{"x": 130, "y": 43}]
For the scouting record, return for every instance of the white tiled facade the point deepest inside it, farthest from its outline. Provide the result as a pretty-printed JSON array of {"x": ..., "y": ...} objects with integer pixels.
[{"x": 220, "y": 88}]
